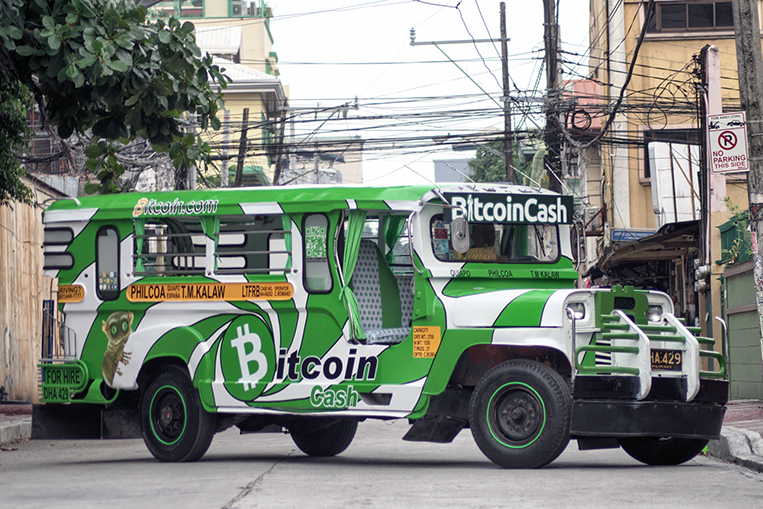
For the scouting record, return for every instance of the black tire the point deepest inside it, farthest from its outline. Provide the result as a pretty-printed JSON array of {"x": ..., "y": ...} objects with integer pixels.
[
  {"x": 323, "y": 437},
  {"x": 519, "y": 414},
  {"x": 662, "y": 451},
  {"x": 175, "y": 425}
]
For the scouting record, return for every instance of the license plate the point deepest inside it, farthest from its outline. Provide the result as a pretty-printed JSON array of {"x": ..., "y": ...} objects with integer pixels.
[
  {"x": 59, "y": 381},
  {"x": 666, "y": 360}
]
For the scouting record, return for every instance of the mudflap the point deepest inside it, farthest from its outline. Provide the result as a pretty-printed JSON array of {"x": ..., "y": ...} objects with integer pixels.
[
  {"x": 618, "y": 418},
  {"x": 83, "y": 421},
  {"x": 445, "y": 418}
]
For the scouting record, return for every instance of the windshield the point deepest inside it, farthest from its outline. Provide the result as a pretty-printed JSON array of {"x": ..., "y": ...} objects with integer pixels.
[{"x": 498, "y": 242}]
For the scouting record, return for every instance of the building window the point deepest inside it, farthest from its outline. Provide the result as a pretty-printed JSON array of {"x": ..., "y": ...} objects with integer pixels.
[
  {"x": 691, "y": 17},
  {"x": 249, "y": 9},
  {"x": 682, "y": 136},
  {"x": 179, "y": 9}
]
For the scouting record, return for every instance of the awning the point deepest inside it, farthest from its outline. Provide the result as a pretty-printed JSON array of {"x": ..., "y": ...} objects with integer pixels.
[
  {"x": 219, "y": 40},
  {"x": 631, "y": 262}
]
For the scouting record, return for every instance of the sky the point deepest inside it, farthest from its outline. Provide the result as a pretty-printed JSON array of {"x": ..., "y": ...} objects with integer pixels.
[{"x": 334, "y": 51}]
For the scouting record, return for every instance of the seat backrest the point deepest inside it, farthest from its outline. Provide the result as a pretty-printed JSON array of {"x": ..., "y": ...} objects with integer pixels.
[
  {"x": 375, "y": 289},
  {"x": 405, "y": 284}
]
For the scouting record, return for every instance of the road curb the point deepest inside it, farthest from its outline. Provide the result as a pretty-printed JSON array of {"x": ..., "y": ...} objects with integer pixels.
[
  {"x": 16, "y": 430},
  {"x": 738, "y": 446}
]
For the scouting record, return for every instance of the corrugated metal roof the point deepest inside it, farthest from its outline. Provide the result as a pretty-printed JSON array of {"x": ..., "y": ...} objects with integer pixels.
[{"x": 219, "y": 40}]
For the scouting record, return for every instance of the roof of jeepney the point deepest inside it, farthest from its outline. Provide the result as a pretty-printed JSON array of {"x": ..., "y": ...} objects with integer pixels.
[{"x": 272, "y": 199}]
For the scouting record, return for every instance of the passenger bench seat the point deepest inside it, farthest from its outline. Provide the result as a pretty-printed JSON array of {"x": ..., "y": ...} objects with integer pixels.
[{"x": 378, "y": 294}]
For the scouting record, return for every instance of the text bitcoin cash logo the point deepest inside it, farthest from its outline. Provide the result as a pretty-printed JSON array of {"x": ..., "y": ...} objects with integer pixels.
[{"x": 250, "y": 362}]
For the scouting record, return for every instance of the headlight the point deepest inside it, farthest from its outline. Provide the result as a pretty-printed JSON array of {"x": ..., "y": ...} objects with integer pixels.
[
  {"x": 578, "y": 310},
  {"x": 654, "y": 313}
]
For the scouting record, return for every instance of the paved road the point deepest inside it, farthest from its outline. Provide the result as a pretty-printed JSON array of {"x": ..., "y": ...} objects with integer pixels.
[{"x": 378, "y": 470}]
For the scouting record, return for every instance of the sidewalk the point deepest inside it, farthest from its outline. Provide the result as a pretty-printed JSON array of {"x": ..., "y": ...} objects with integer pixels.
[
  {"x": 741, "y": 437},
  {"x": 15, "y": 423}
]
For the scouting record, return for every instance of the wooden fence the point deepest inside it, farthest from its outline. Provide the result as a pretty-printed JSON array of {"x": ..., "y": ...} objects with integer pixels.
[{"x": 23, "y": 287}]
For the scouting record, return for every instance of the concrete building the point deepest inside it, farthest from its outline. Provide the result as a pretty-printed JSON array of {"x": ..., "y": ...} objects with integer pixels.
[
  {"x": 647, "y": 188},
  {"x": 323, "y": 160},
  {"x": 237, "y": 34},
  {"x": 451, "y": 170},
  {"x": 243, "y": 29}
]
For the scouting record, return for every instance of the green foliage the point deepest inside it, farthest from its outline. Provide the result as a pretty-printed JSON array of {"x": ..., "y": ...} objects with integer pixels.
[
  {"x": 488, "y": 166},
  {"x": 215, "y": 180},
  {"x": 741, "y": 247},
  {"x": 101, "y": 65},
  {"x": 14, "y": 136}
]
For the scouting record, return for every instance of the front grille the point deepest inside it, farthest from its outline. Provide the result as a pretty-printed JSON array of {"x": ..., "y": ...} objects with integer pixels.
[{"x": 625, "y": 303}]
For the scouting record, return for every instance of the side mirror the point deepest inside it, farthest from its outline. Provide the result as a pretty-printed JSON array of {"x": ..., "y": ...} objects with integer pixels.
[{"x": 459, "y": 235}]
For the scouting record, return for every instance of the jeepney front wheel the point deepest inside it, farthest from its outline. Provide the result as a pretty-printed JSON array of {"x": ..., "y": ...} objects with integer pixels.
[
  {"x": 519, "y": 414},
  {"x": 175, "y": 426},
  {"x": 662, "y": 451},
  {"x": 320, "y": 436}
]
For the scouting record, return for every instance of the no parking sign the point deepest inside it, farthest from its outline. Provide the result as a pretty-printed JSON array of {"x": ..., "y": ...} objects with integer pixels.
[{"x": 728, "y": 142}]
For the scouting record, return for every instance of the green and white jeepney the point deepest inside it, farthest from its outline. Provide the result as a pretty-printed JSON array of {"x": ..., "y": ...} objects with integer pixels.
[{"x": 309, "y": 309}]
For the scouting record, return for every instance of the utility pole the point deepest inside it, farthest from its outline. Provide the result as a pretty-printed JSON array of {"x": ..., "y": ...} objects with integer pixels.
[
  {"x": 224, "y": 179},
  {"x": 507, "y": 135},
  {"x": 508, "y": 138},
  {"x": 750, "y": 70},
  {"x": 713, "y": 191},
  {"x": 242, "y": 149},
  {"x": 552, "y": 159},
  {"x": 281, "y": 134}
]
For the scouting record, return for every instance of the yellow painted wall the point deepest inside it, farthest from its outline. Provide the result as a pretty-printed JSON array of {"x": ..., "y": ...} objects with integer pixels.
[
  {"x": 661, "y": 58},
  {"x": 235, "y": 104}
]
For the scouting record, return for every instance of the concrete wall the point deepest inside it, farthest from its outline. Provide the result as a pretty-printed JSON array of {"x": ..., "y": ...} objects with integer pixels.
[{"x": 23, "y": 287}]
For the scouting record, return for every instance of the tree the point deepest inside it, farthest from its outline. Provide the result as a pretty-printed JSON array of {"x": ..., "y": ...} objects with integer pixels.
[
  {"x": 14, "y": 135},
  {"x": 100, "y": 65},
  {"x": 488, "y": 165}
]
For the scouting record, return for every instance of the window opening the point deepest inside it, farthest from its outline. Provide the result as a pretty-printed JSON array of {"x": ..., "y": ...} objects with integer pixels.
[
  {"x": 58, "y": 236},
  {"x": 498, "y": 242},
  {"x": 107, "y": 263},
  {"x": 683, "y": 136},
  {"x": 178, "y": 9},
  {"x": 392, "y": 239},
  {"x": 317, "y": 273},
  {"x": 691, "y": 17},
  {"x": 253, "y": 245},
  {"x": 169, "y": 247},
  {"x": 55, "y": 241}
]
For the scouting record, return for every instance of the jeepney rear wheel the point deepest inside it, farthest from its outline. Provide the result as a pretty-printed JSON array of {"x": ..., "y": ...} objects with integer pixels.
[
  {"x": 662, "y": 451},
  {"x": 175, "y": 425},
  {"x": 519, "y": 414},
  {"x": 321, "y": 437}
]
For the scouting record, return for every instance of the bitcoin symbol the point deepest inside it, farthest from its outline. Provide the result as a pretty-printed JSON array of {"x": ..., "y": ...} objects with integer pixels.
[
  {"x": 138, "y": 210},
  {"x": 243, "y": 338}
]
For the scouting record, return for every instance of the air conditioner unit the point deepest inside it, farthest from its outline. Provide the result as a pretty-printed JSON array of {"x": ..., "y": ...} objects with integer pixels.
[
  {"x": 593, "y": 220},
  {"x": 236, "y": 8}
]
